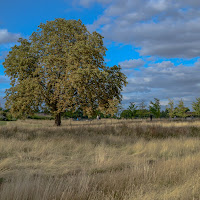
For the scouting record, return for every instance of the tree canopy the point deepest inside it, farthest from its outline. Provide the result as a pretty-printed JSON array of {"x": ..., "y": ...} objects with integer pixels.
[{"x": 61, "y": 67}]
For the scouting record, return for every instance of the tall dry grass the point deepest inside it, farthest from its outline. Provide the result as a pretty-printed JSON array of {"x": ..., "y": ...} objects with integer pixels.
[{"x": 133, "y": 160}]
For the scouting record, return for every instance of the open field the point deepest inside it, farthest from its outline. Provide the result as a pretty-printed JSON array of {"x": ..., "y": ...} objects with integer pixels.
[{"x": 100, "y": 160}]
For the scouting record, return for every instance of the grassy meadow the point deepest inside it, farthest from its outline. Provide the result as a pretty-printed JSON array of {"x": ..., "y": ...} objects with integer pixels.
[{"x": 100, "y": 160}]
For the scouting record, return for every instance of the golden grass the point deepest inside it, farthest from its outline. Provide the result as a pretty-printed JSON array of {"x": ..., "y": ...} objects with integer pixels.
[
  {"x": 132, "y": 161},
  {"x": 108, "y": 122}
]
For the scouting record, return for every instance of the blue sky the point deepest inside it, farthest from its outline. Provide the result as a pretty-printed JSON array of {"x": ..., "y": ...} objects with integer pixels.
[{"x": 157, "y": 42}]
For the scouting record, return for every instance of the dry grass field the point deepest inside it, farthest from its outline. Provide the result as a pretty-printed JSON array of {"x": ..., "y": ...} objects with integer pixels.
[{"x": 100, "y": 160}]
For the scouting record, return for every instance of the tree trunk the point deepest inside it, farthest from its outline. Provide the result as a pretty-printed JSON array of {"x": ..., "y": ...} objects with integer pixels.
[{"x": 58, "y": 120}]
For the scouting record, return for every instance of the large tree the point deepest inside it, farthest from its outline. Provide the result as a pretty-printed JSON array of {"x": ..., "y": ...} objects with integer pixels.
[{"x": 61, "y": 67}]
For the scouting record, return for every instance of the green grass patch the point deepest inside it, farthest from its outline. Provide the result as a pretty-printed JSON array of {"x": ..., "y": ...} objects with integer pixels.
[{"x": 2, "y": 123}]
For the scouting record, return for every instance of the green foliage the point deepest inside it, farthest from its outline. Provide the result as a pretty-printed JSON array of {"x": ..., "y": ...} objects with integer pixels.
[
  {"x": 129, "y": 113},
  {"x": 196, "y": 106},
  {"x": 154, "y": 107},
  {"x": 78, "y": 113},
  {"x": 170, "y": 108},
  {"x": 142, "y": 111},
  {"x": 5, "y": 115},
  {"x": 10, "y": 117},
  {"x": 164, "y": 113},
  {"x": 133, "y": 109},
  {"x": 61, "y": 67},
  {"x": 133, "y": 112},
  {"x": 181, "y": 110}
]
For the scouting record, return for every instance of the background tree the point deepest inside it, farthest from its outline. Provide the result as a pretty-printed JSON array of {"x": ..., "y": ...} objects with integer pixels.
[
  {"x": 126, "y": 114},
  {"x": 133, "y": 109},
  {"x": 1, "y": 107},
  {"x": 154, "y": 107},
  {"x": 61, "y": 67},
  {"x": 1, "y": 114},
  {"x": 170, "y": 108},
  {"x": 164, "y": 113},
  {"x": 196, "y": 106},
  {"x": 119, "y": 110},
  {"x": 181, "y": 110},
  {"x": 142, "y": 111},
  {"x": 130, "y": 112}
]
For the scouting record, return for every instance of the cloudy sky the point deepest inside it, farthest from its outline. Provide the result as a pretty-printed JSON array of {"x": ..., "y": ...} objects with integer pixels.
[{"x": 156, "y": 42}]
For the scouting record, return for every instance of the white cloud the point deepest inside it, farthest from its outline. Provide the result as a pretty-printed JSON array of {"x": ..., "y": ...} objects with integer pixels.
[
  {"x": 7, "y": 37},
  {"x": 130, "y": 64},
  {"x": 164, "y": 80},
  {"x": 87, "y": 3},
  {"x": 160, "y": 5},
  {"x": 165, "y": 28}
]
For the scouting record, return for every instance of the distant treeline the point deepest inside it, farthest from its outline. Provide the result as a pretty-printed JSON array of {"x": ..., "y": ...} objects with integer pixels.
[
  {"x": 154, "y": 110},
  {"x": 5, "y": 115},
  {"x": 133, "y": 111}
]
